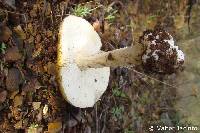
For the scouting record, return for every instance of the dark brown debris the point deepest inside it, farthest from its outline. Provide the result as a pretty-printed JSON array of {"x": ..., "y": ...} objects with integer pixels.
[
  {"x": 3, "y": 96},
  {"x": 13, "y": 79},
  {"x": 13, "y": 54}
]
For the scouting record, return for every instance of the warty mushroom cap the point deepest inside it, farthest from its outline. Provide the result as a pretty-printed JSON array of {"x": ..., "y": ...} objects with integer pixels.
[{"x": 161, "y": 54}]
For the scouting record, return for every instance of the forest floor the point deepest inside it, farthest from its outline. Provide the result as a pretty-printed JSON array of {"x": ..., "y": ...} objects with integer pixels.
[{"x": 30, "y": 99}]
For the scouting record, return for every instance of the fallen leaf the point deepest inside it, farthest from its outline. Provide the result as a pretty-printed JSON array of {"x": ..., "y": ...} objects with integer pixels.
[
  {"x": 33, "y": 12},
  {"x": 48, "y": 9},
  {"x": 18, "y": 100},
  {"x": 13, "y": 79},
  {"x": 39, "y": 115},
  {"x": 88, "y": 129},
  {"x": 3, "y": 96},
  {"x": 30, "y": 28},
  {"x": 72, "y": 122},
  {"x": 31, "y": 86},
  {"x": 16, "y": 113},
  {"x": 55, "y": 127},
  {"x": 141, "y": 109},
  {"x": 45, "y": 109},
  {"x": 13, "y": 94},
  {"x": 195, "y": 91},
  {"x": 30, "y": 40},
  {"x": 34, "y": 130},
  {"x": 18, "y": 125},
  {"x": 10, "y": 3},
  {"x": 96, "y": 26},
  {"x": 38, "y": 38},
  {"x": 5, "y": 33},
  {"x": 18, "y": 29},
  {"x": 37, "y": 51},
  {"x": 12, "y": 54},
  {"x": 50, "y": 68},
  {"x": 36, "y": 105},
  {"x": 49, "y": 33}
]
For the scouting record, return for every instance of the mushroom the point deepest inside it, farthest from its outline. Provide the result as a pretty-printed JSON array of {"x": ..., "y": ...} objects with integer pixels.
[{"x": 84, "y": 69}]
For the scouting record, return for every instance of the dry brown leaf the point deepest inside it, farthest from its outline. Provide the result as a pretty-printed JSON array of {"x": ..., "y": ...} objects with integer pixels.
[
  {"x": 13, "y": 94},
  {"x": 13, "y": 79},
  {"x": 3, "y": 96},
  {"x": 39, "y": 115},
  {"x": 96, "y": 26},
  {"x": 36, "y": 105},
  {"x": 18, "y": 125},
  {"x": 49, "y": 33},
  {"x": 55, "y": 127},
  {"x": 195, "y": 91},
  {"x": 48, "y": 9},
  {"x": 18, "y": 100},
  {"x": 37, "y": 52},
  {"x": 179, "y": 21},
  {"x": 18, "y": 29},
  {"x": 31, "y": 86},
  {"x": 6, "y": 34},
  {"x": 30, "y": 40},
  {"x": 38, "y": 38},
  {"x": 16, "y": 113},
  {"x": 33, "y": 12},
  {"x": 34, "y": 130},
  {"x": 50, "y": 68},
  {"x": 30, "y": 28},
  {"x": 13, "y": 54}
]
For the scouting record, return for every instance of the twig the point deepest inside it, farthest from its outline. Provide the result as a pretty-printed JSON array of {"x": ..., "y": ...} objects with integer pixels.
[
  {"x": 12, "y": 12},
  {"x": 155, "y": 79},
  {"x": 97, "y": 119},
  {"x": 104, "y": 125}
]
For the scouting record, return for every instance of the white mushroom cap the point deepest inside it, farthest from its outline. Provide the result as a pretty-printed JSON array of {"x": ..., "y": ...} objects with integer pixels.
[{"x": 81, "y": 88}]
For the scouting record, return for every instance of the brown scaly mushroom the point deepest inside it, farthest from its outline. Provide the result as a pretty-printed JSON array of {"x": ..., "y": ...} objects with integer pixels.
[{"x": 84, "y": 69}]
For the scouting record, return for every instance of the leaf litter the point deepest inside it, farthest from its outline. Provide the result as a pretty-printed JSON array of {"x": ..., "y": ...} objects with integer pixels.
[{"x": 30, "y": 99}]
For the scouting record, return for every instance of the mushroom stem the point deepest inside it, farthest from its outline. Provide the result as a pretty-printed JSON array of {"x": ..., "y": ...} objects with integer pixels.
[{"x": 119, "y": 57}]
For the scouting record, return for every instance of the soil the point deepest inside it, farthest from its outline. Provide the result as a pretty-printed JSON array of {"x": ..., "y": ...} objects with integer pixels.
[{"x": 30, "y": 99}]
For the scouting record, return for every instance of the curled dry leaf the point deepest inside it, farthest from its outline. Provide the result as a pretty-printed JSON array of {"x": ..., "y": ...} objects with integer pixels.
[{"x": 18, "y": 29}]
